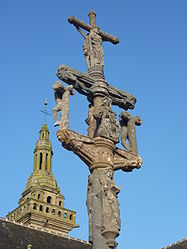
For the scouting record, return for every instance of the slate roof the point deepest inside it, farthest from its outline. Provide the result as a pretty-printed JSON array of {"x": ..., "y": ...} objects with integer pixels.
[
  {"x": 182, "y": 244},
  {"x": 17, "y": 236}
]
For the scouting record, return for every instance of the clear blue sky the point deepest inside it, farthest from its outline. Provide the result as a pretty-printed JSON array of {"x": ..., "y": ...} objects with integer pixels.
[{"x": 150, "y": 62}]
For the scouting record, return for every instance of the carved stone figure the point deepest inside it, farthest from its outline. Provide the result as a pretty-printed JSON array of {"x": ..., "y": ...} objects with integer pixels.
[
  {"x": 86, "y": 46},
  {"x": 90, "y": 153},
  {"x": 128, "y": 131},
  {"x": 62, "y": 95},
  {"x": 97, "y": 53},
  {"x": 110, "y": 206},
  {"x": 85, "y": 85},
  {"x": 92, "y": 47},
  {"x": 107, "y": 125},
  {"x": 91, "y": 122}
]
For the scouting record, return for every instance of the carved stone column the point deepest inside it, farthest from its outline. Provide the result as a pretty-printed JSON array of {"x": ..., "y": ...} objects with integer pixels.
[{"x": 100, "y": 197}]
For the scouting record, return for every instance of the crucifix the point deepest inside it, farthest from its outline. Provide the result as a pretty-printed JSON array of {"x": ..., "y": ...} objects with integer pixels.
[{"x": 98, "y": 149}]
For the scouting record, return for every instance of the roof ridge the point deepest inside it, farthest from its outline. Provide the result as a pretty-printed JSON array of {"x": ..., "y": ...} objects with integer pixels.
[{"x": 175, "y": 243}]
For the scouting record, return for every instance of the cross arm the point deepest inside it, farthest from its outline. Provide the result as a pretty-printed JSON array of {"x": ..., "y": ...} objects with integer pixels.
[
  {"x": 126, "y": 161},
  {"x": 88, "y": 151},
  {"x": 122, "y": 99},
  {"x": 105, "y": 36},
  {"x": 83, "y": 84},
  {"x": 80, "y": 82}
]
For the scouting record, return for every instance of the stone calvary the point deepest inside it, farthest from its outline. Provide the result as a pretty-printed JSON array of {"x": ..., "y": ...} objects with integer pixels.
[{"x": 98, "y": 149}]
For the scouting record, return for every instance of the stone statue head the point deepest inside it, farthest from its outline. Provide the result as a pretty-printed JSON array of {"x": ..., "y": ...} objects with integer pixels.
[
  {"x": 138, "y": 121},
  {"x": 124, "y": 117},
  {"x": 57, "y": 85}
]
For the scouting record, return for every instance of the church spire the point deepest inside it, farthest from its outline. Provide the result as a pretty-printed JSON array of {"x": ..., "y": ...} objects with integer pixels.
[
  {"x": 43, "y": 151},
  {"x": 42, "y": 168},
  {"x": 42, "y": 204}
]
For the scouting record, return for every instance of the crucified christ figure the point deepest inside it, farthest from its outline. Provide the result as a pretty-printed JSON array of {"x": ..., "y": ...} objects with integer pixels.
[{"x": 92, "y": 47}]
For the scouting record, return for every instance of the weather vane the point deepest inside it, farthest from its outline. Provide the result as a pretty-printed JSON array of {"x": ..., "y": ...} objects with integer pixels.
[
  {"x": 45, "y": 110},
  {"x": 98, "y": 149}
]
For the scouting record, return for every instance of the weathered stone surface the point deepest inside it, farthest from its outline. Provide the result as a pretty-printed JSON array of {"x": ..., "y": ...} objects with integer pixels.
[
  {"x": 103, "y": 207},
  {"x": 92, "y": 47},
  {"x": 102, "y": 158},
  {"x": 98, "y": 150},
  {"x": 105, "y": 36},
  {"x": 84, "y": 84},
  {"x": 128, "y": 131}
]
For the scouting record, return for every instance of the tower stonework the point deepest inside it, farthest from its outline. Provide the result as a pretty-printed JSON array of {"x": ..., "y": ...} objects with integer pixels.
[{"x": 42, "y": 204}]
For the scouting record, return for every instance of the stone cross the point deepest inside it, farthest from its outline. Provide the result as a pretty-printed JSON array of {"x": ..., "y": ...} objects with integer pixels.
[
  {"x": 98, "y": 150},
  {"x": 92, "y": 47}
]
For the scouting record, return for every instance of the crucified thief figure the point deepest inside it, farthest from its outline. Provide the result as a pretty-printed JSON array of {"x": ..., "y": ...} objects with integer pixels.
[{"x": 62, "y": 95}]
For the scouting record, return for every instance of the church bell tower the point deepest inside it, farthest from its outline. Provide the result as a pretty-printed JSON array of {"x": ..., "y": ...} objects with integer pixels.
[{"x": 42, "y": 204}]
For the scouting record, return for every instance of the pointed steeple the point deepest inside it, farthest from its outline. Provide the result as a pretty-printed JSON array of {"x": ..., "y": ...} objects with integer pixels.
[
  {"x": 43, "y": 151},
  {"x": 42, "y": 203},
  {"x": 42, "y": 168}
]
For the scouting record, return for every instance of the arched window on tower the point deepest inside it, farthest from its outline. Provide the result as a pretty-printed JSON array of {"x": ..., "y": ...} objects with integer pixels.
[
  {"x": 46, "y": 161},
  {"x": 40, "y": 166},
  {"x": 49, "y": 199}
]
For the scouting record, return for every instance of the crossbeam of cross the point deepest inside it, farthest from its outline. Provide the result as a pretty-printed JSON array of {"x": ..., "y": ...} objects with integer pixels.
[
  {"x": 92, "y": 18},
  {"x": 84, "y": 85}
]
